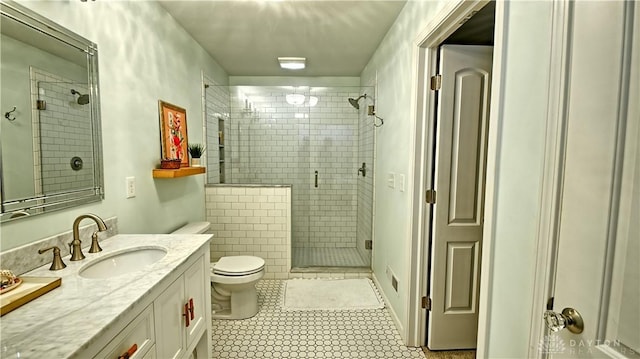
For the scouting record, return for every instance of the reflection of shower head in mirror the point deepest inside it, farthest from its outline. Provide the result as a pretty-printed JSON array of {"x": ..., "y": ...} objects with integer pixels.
[{"x": 82, "y": 99}]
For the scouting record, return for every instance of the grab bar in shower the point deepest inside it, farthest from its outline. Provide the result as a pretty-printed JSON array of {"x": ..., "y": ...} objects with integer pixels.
[{"x": 316, "y": 182}]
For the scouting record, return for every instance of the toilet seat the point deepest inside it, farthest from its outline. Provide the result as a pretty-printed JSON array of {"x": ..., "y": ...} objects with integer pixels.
[{"x": 237, "y": 266}]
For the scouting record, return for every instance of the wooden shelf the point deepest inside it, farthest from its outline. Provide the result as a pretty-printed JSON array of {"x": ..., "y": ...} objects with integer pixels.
[{"x": 180, "y": 172}]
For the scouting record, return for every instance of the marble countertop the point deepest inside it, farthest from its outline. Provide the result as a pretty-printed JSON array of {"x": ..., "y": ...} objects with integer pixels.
[{"x": 71, "y": 317}]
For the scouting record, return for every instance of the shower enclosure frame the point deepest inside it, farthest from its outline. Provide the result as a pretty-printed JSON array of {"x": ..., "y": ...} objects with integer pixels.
[{"x": 254, "y": 115}]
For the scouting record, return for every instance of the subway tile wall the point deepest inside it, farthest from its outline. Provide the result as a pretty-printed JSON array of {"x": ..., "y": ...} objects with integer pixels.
[
  {"x": 278, "y": 142},
  {"x": 251, "y": 220},
  {"x": 216, "y": 100},
  {"x": 64, "y": 133},
  {"x": 333, "y": 152},
  {"x": 270, "y": 141}
]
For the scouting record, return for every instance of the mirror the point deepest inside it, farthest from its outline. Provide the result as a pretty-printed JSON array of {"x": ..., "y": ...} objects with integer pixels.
[{"x": 51, "y": 151}]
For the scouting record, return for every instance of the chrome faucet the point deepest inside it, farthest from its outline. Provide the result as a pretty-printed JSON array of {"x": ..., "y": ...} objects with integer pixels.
[{"x": 76, "y": 253}]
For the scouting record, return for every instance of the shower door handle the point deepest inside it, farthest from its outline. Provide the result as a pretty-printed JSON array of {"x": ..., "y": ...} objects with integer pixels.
[{"x": 316, "y": 181}]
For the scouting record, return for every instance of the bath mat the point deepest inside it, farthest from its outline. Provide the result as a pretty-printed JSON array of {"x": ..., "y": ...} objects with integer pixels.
[{"x": 331, "y": 294}]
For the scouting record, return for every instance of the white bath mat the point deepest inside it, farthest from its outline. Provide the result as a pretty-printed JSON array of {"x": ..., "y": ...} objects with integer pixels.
[{"x": 331, "y": 294}]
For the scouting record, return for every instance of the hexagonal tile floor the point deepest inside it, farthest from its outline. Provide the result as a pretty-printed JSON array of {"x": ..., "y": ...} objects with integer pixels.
[{"x": 274, "y": 333}]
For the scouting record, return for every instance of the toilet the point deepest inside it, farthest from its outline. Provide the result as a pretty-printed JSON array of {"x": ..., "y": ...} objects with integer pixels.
[{"x": 233, "y": 281}]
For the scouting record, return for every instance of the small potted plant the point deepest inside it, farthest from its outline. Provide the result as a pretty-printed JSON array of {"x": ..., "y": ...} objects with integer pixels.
[{"x": 196, "y": 151}]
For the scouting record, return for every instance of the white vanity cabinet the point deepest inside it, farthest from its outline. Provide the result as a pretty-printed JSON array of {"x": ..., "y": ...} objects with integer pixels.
[
  {"x": 174, "y": 319},
  {"x": 181, "y": 313},
  {"x": 147, "y": 309}
]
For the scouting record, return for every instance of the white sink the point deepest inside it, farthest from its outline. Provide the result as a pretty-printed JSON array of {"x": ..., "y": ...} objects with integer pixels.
[{"x": 122, "y": 262}]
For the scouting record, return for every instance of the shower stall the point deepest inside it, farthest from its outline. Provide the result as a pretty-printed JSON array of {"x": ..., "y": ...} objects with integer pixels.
[{"x": 316, "y": 141}]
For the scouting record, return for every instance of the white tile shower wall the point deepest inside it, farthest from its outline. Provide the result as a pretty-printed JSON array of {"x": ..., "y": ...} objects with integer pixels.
[
  {"x": 274, "y": 142},
  {"x": 251, "y": 220},
  {"x": 64, "y": 133},
  {"x": 334, "y": 139},
  {"x": 217, "y": 107}
]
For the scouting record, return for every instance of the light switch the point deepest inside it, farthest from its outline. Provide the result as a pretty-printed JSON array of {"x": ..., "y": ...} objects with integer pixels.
[{"x": 401, "y": 182}]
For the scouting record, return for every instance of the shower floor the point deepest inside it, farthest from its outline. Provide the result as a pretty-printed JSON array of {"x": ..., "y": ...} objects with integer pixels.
[{"x": 327, "y": 257}]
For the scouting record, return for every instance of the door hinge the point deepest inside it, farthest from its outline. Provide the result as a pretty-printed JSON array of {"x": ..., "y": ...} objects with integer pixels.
[
  {"x": 368, "y": 244},
  {"x": 430, "y": 196},
  {"x": 436, "y": 82},
  {"x": 426, "y": 303}
]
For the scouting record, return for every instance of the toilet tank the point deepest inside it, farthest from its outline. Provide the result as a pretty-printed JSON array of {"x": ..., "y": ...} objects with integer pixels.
[{"x": 193, "y": 228}]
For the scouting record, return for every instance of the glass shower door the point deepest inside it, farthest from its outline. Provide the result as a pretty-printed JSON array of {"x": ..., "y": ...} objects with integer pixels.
[
  {"x": 312, "y": 139},
  {"x": 334, "y": 211}
]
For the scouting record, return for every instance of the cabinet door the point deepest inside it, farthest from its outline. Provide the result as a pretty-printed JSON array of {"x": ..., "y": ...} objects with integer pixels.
[
  {"x": 195, "y": 279},
  {"x": 169, "y": 309}
]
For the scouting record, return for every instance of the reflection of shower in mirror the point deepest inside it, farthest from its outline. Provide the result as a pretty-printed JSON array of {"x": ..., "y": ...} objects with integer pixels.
[{"x": 82, "y": 99}]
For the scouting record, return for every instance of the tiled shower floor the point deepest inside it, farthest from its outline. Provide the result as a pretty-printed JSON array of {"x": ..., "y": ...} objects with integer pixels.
[
  {"x": 327, "y": 257},
  {"x": 275, "y": 333}
]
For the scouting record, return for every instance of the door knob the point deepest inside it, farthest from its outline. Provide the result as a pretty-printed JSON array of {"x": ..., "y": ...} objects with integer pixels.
[{"x": 569, "y": 318}]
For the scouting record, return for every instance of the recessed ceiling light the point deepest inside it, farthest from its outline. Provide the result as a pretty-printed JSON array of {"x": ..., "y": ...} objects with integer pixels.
[{"x": 292, "y": 63}]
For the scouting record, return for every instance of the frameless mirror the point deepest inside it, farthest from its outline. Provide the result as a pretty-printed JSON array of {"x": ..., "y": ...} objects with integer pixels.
[{"x": 51, "y": 151}]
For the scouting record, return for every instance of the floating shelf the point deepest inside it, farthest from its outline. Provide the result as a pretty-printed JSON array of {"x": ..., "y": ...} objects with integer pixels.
[{"x": 180, "y": 172}]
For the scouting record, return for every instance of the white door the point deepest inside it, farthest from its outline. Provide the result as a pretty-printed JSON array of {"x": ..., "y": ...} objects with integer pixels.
[
  {"x": 456, "y": 235},
  {"x": 598, "y": 251}
]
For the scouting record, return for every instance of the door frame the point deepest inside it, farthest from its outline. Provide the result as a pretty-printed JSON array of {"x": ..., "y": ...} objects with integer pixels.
[{"x": 425, "y": 55}]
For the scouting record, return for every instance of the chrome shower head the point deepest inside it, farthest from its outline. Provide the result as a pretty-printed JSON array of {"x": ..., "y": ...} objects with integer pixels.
[
  {"x": 82, "y": 99},
  {"x": 354, "y": 101}
]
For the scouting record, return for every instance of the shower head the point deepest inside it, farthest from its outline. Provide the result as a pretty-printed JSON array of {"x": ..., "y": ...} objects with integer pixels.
[
  {"x": 354, "y": 101},
  {"x": 82, "y": 99}
]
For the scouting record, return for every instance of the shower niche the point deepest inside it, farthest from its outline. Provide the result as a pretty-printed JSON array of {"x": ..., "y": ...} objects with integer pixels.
[
  {"x": 311, "y": 138},
  {"x": 221, "y": 168}
]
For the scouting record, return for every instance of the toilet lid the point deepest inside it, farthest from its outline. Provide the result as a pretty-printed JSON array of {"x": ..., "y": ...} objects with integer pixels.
[{"x": 238, "y": 265}]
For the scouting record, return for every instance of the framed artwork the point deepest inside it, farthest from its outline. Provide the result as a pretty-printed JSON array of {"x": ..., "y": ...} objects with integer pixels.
[{"x": 173, "y": 133}]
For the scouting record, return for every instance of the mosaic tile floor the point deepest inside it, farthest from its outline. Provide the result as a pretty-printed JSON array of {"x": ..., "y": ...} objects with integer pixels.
[
  {"x": 327, "y": 257},
  {"x": 274, "y": 333}
]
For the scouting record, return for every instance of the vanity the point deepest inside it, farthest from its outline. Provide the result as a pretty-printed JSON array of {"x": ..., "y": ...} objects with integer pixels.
[{"x": 148, "y": 295}]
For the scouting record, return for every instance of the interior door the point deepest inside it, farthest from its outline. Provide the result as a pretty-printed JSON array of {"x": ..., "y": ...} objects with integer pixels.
[
  {"x": 597, "y": 272},
  {"x": 462, "y": 123}
]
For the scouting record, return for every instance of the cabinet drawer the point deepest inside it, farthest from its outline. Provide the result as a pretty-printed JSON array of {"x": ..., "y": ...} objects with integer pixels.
[{"x": 139, "y": 332}]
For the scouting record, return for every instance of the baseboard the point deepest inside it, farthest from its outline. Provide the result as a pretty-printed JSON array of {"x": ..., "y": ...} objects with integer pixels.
[{"x": 393, "y": 313}]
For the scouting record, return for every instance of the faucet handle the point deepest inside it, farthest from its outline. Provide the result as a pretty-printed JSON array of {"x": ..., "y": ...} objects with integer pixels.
[
  {"x": 57, "y": 262},
  {"x": 95, "y": 247}
]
